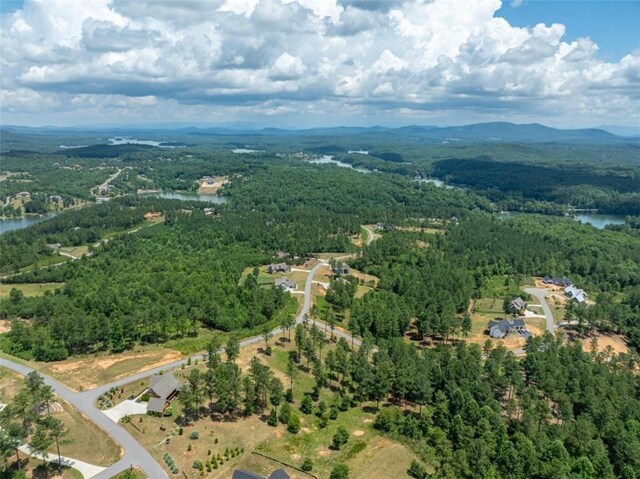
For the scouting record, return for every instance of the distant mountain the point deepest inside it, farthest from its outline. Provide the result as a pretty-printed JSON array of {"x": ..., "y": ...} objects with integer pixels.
[
  {"x": 503, "y": 132},
  {"x": 622, "y": 130}
]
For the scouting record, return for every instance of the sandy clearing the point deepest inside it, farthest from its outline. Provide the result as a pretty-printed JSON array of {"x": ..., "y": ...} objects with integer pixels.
[
  {"x": 617, "y": 343},
  {"x": 358, "y": 433}
]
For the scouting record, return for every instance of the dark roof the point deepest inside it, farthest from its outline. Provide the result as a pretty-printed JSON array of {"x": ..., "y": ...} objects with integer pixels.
[
  {"x": 165, "y": 385},
  {"x": 279, "y": 474},
  {"x": 518, "y": 323},
  {"x": 503, "y": 325},
  {"x": 239, "y": 474},
  {"x": 156, "y": 405}
]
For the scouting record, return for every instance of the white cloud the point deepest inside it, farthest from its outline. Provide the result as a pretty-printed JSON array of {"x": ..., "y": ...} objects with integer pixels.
[{"x": 306, "y": 57}]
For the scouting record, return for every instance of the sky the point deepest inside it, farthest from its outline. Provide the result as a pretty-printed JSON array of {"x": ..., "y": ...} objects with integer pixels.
[{"x": 306, "y": 63}]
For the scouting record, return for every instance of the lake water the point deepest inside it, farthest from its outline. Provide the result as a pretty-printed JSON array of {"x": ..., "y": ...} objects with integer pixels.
[
  {"x": 594, "y": 219},
  {"x": 18, "y": 223},
  {"x": 134, "y": 141},
  {"x": 190, "y": 197},
  {"x": 599, "y": 220},
  {"x": 328, "y": 160},
  {"x": 246, "y": 150}
]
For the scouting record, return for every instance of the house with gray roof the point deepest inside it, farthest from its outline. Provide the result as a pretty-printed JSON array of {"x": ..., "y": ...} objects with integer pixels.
[
  {"x": 285, "y": 284},
  {"x": 162, "y": 389},
  {"x": 517, "y": 305},
  {"x": 499, "y": 329},
  {"x": 340, "y": 268},
  {"x": 278, "y": 268}
]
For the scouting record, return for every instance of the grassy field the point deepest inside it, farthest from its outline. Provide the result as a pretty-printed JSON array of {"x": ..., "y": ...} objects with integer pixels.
[
  {"x": 496, "y": 287},
  {"x": 367, "y": 454},
  {"x": 75, "y": 251},
  {"x": 29, "y": 289},
  {"x": 84, "y": 440}
]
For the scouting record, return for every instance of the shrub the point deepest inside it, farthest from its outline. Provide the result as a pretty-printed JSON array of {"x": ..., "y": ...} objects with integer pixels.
[
  {"x": 293, "y": 426},
  {"x": 307, "y": 405},
  {"x": 340, "y": 471},
  {"x": 189, "y": 447},
  {"x": 168, "y": 412},
  {"x": 273, "y": 418},
  {"x": 417, "y": 470},
  {"x": 285, "y": 413},
  {"x": 180, "y": 431},
  {"x": 289, "y": 395},
  {"x": 145, "y": 397},
  {"x": 333, "y": 412},
  {"x": 340, "y": 438},
  {"x": 194, "y": 435},
  {"x": 307, "y": 465},
  {"x": 197, "y": 464}
]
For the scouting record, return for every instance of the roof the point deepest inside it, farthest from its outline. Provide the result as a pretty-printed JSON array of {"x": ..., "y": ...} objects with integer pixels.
[
  {"x": 279, "y": 266},
  {"x": 279, "y": 474},
  {"x": 286, "y": 282},
  {"x": 504, "y": 325},
  {"x": 517, "y": 323},
  {"x": 239, "y": 474},
  {"x": 156, "y": 405},
  {"x": 163, "y": 386},
  {"x": 518, "y": 303}
]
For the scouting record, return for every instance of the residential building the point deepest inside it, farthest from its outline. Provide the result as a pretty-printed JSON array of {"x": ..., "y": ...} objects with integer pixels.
[
  {"x": 278, "y": 268},
  {"x": 575, "y": 293},
  {"x": 499, "y": 329},
  {"x": 162, "y": 389}
]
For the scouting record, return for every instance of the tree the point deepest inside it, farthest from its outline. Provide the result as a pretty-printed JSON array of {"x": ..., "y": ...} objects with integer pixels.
[
  {"x": 16, "y": 295},
  {"x": 291, "y": 371},
  {"x": 339, "y": 471},
  {"x": 232, "y": 350},
  {"x": 293, "y": 425},
  {"x": 56, "y": 430},
  {"x": 267, "y": 335},
  {"x": 272, "y": 420},
  {"x": 276, "y": 390},
  {"x": 41, "y": 441},
  {"x": 340, "y": 438},
  {"x": 306, "y": 406},
  {"x": 417, "y": 470}
]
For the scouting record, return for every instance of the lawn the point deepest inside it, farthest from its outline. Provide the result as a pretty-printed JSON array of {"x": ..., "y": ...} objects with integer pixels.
[
  {"x": 84, "y": 440},
  {"x": 367, "y": 454},
  {"x": 497, "y": 287},
  {"x": 75, "y": 251},
  {"x": 29, "y": 289},
  {"x": 131, "y": 474}
]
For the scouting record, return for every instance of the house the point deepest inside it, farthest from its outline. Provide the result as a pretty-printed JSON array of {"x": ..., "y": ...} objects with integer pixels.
[
  {"x": 282, "y": 255},
  {"x": 517, "y": 305},
  {"x": 340, "y": 268},
  {"x": 23, "y": 195},
  {"x": 378, "y": 226},
  {"x": 54, "y": 246},
  {"x": 279, "y": 474},
  {"x": 499, "y": 329},
  {"x": 578, "y": 294},
  {"x": 557, "y": 281},
  {"x": 162, "y": 389},
  {"x": 285, "y": 284},
  {"x": 278, "y": 268}
]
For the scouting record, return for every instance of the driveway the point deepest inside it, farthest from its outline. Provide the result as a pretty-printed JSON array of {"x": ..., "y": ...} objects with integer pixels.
[
  {"x": 128, "y": 407},
  {"x": 87, "y": 470},
  {"x": 541, "y": 295}
]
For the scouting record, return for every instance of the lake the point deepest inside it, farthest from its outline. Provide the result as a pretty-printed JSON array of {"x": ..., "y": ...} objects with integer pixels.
[
  {"x": 594, "y": 219},
  {"x": 18, "y": 223},
  {"x": 600, "y": 220},
  {"x": 328, "y": 160}
]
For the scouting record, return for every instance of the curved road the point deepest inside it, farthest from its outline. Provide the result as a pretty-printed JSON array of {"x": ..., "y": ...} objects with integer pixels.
[
  {"x": 541, "y": 295},
  {"x": 136, "y": 455}
]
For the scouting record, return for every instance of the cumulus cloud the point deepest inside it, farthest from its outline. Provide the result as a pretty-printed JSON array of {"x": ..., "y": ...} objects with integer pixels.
[{"x": 311, "y": 57}]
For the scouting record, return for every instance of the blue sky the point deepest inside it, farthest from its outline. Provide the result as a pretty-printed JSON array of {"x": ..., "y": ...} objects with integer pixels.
[
  {"x": 613, "y": 24},
  {"x": 304, "y": 63}
]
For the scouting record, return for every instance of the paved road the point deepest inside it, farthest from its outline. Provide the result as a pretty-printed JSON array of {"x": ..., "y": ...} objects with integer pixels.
[
  {"x": 541, "y": 295},
  {"x": 370, "y": 235},
  {"x": 135, "y": 455}
]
